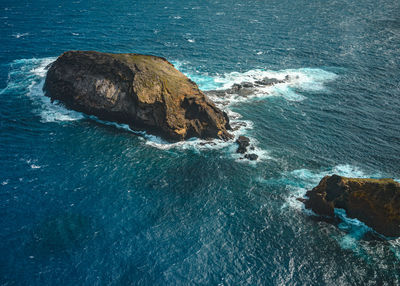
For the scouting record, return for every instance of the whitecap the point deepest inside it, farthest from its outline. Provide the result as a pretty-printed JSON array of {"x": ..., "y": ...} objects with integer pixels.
[
  {"x": 20, "y": 35},
  {"x": 310, "y": 178},
  {"x": 304, "y": 79},
  {"x": 40, "y": 69},
  {"x": 31, "y": 163},
  {"x": 295, "y": 82}
]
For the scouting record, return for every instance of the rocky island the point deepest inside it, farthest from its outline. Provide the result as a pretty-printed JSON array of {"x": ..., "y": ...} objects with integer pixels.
[
  {"x": 376, "y": 202},
  {"x": 146, "y": 92}
]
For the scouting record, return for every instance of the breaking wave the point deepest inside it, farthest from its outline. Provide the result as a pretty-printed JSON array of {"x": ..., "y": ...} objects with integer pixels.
[{"x": 298, "y": 81}]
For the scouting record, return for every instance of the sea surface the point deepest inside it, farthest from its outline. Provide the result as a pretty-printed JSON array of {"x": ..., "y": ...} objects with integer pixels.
[{"x": 87, "y": 202}]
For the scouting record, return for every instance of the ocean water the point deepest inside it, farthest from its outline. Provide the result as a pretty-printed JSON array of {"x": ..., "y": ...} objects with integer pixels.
[{"x": 87, "y": 202}]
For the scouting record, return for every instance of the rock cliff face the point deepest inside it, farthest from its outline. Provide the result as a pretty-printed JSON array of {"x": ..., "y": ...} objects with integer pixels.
[
  {"x": 145, "y": 92},
  {"x": 376, "y": 202}
]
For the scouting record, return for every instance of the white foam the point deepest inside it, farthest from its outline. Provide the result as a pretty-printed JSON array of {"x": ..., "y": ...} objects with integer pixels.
[
  {"x": 310, "y": 178},
  {"x": 395, "y": 247},
  {"x": 31, "y": 163},
  {"x": 296, "y": 81},
  {"x": 304, "y": 79},
  {"x": 31, "y": 73},
  {"x": 291, "y": 201},
  {"x": 20, "y": 35},
  {"x": 307, "y": 79},
  {"x": 40, "y": 70},
  {"x": 51, "y": 112}
]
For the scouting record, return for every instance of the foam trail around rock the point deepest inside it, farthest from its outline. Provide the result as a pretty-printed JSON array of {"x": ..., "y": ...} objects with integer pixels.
[
  {"x": 296, "y": 81},
  {"x": 27, "y": 76},
  {"x": 299, "y": 181}
]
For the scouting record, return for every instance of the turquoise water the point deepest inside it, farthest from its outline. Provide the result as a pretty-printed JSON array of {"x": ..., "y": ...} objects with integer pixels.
[{"x": 86, "y": 202}]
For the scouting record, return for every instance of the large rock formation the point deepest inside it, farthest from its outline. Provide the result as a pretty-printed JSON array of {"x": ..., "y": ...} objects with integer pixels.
[
  {"x": 144, "y": 91},
  {"x": 376, "y": 202}
]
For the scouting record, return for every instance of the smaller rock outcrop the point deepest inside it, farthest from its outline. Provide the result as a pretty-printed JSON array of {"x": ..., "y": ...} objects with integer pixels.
[
  {"x": 376, "y": 202},
  {"x": 251, "y": 157},
  {"x": 245, "y": 89},
  {"x": 269, "y": 81},
  {"x": 243, "y": 143}
]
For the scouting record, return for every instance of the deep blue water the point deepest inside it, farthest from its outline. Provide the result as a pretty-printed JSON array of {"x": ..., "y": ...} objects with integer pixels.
[{"x": 83, "y": 202}]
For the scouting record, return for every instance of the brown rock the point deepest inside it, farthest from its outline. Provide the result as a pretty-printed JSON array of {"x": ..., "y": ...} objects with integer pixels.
[
  {"x": 146, "y": 92},
  {"x": 376, "y": 202}
]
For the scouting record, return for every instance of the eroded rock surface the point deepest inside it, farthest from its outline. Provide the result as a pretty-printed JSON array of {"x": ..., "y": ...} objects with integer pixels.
[
  {"x": 146, "y": 92},
  {"x": 376, "y": 202}
]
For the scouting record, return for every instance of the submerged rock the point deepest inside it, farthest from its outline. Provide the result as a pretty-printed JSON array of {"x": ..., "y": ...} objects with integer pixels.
[
  {"x": 58, "y": 233},
  {"x": 247, "y": 84},
  {"x": 246, "y": 89},
  {"x": 376, "y": 202},
  {"x": 146, "y": 92}
]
